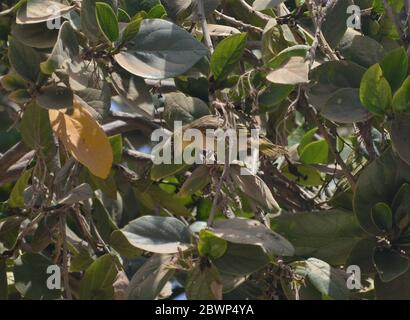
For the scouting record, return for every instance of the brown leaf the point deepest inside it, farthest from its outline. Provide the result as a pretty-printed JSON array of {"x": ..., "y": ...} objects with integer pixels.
[{"x": 84, "y": 138}]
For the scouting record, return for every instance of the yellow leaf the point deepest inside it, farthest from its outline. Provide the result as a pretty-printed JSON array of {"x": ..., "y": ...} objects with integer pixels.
[{"x": 84, "y": 138}]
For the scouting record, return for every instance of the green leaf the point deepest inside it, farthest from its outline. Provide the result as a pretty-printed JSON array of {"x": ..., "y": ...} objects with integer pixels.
[
  {"x": 96, "y": 93},
  {"x": 16, "y": 199},
  {"x": 9, "y": 230},
  {"x": 80, "y": 260},
  {"x": 315, "y": 152},
  {"x": 107, "y": 186},
  {"x": 334, "y": 26},
  {"x": 362, "y": 256},
  {"x": 378, "y": 182},
  {"x": 35, "y": 128},
  {"x": 123, "y": 16},
  {"x": 198, "y": 180},
  {"x": 255, "y": 189},
  {"x": 161, "y": 50},
  {"x": 98, "y": 280},
  {"x": 227, "y": 54},
  {"x": 203, "y": 283},
  {"x": 117, "y": 147},
  {"x": 303, "y": 175},
  {"x": 162, "y": 171},
  {"x": 30, "y": 276},
  {"x": 293, "y": 71},
  {"x": 157, "y": 12},
  {"x": 273, "y": 96},
  {"x": 242, "y": 259},
  {"x": 209, "y": 245},
  {"x": 179, "y": 107},
  {"x": 261, "y": 5},
  {"x": 121, "y": 244},
  {"x": 132, "y": 28},
  {"x": 389, "y": 264},
  {"x": 306, "y": 139},
  {"x": 284, "y": 55},
  {"x": 252, "y": 232},
  {"x": 132, "y": 6},
  {"x": 37, "y": 35},
  {"x": 209, "y": 7},
  {"x": 327, "y": 280},
  {"x": 332, "y": 80},
  {"x": 107, "y": 21},
  {"x": 341, "y": 74},
  {"x": 360, "y": 49},
  {"x": 382, "y": 216},
  {"x": 328, "y": 235},
  {"x": 155, "y": 198},
  {"x": 344, "y": 106},
  {"x": 13, "y": 8},
  {"x": 193, "y": 87},
  {"x": 148, "y": 281},
  {"x": 56, "y": 97},
  {"x": 158, "y": 234},
  {"x": 113, "y": 4},
  {"x": 80, "y": 193},
  {"x": 375, "y": 91},
  {"x": 174, "y": 7},
  {"x": 395, "y": 65},
  {"x": 397, "y": 289},
  {"x": 41, "y": 237},
  {"x": 134, "y": 92},
  {"x": 25, "y": 60},
  {"x": 89, "y": 24},
  {"x": 401, "y": 99},
  {"x": 66, "y": 47},
  {"x": 401, "y": 206},
  {"x": 103, "y": 221},
  {"x": 400, "y": 131},
  {"x": 36, "y": 11}
]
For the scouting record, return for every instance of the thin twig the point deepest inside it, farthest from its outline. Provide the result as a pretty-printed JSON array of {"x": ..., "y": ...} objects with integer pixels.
[
  {"x": 237, "y": 23},
  {"x": 67, "y": 289},
  {"x": 251, "y": 11},
  {"x": 332, "y": 144},
  {"x": 407, "y": 4},
  {"x": 394, "y": 19},
  {"x": 218, "y": 191},
  {"x": 204, "y": 24}
]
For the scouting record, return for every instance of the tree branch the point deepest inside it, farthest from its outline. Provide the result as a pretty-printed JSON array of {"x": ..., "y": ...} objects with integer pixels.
[
  {"x": 251, "y": 11},
  {"x": 126, "y": 122},
  {"x": 237, "y": 23},
  {"x": 16, "y": 159}
]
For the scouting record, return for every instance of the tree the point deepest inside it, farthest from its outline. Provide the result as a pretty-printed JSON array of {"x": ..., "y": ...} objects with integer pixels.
[{"x": 315, "y": 207}]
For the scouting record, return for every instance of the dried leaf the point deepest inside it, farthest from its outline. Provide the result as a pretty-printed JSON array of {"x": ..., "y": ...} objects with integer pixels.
[{"x": 84, "y": 138}]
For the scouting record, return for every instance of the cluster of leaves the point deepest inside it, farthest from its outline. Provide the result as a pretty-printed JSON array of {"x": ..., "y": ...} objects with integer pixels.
[{"x": 84, "y": 86}]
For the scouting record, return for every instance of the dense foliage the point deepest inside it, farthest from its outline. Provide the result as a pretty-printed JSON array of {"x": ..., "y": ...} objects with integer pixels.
[{"x": 83, "y": 87}]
